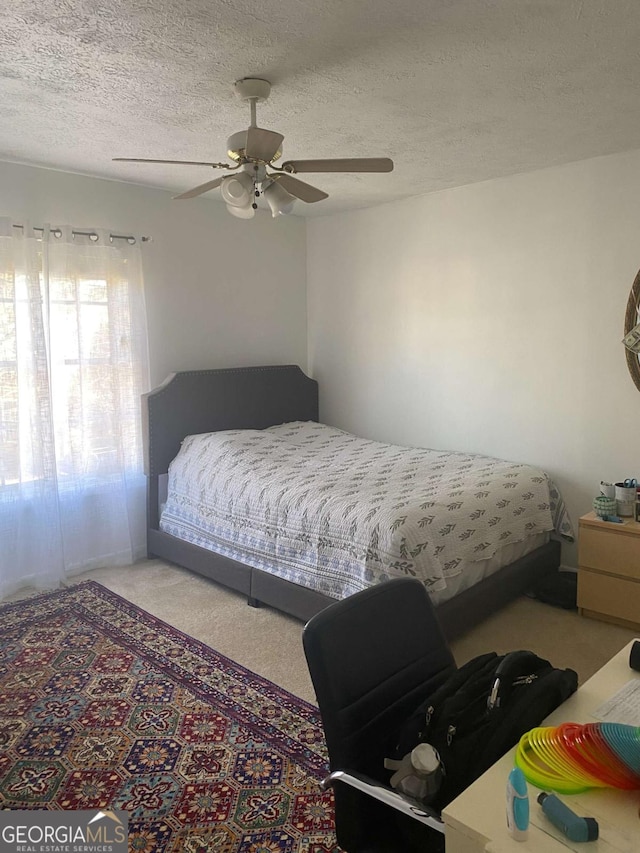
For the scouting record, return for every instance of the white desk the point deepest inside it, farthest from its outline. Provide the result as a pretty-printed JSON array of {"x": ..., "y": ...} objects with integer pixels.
[{"x": 475, "y": 822}]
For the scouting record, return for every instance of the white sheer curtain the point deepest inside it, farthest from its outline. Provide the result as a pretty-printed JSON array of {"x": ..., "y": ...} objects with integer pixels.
[{"x": 73, "y": 364}]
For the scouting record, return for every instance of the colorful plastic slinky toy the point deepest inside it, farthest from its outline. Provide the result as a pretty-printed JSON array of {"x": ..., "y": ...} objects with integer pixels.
[{"x": 571, "y": 758}]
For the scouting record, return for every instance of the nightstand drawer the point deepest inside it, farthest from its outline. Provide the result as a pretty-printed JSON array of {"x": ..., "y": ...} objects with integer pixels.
[
  {"x": 609, "y": 596},
  {"x": 611, "y": 551}
]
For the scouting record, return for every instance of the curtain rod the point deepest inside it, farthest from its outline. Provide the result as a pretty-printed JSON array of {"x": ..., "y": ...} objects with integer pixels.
[{"x": 91, "y": 234}]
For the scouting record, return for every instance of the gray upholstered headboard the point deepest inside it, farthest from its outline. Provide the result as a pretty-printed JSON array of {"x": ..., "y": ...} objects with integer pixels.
[{"x": 197, "y": 401}]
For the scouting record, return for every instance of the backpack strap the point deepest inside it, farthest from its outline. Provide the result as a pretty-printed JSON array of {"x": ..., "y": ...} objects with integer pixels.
[{"x": 512, "y": 667}]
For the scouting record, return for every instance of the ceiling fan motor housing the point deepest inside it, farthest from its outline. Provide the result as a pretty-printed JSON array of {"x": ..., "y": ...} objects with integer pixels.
[{"x": 236, "y": 147}]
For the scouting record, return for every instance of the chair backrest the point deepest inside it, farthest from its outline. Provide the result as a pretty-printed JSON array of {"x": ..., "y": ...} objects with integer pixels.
[{"x": 372, "y": 657}]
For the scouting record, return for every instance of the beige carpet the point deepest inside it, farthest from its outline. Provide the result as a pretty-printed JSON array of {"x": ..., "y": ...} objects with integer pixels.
[{"x": 269, "y": 643}]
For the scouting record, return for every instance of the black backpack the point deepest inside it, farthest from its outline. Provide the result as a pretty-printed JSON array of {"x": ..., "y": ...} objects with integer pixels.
[{"x": 481, "y": 712}]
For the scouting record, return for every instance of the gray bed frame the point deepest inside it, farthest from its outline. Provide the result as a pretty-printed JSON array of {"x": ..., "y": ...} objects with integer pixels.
[{"x": 198, "y": 401}]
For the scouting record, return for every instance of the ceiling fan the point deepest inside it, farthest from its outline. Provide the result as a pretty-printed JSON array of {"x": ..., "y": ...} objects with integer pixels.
[{"x": 254, "y": 153}]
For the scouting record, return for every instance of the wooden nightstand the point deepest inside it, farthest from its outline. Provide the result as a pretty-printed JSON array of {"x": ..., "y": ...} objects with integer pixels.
[{"x": 609, "y": 570}]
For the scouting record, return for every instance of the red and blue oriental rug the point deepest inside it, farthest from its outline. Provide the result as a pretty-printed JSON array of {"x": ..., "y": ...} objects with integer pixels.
[{"x": 103, "y": 706}]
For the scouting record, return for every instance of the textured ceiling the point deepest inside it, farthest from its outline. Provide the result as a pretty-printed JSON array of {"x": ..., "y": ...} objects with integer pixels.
[{"x": 455, "y": 91}]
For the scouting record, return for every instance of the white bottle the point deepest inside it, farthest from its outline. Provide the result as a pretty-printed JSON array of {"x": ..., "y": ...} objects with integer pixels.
[{"x": 418, "y": 774}]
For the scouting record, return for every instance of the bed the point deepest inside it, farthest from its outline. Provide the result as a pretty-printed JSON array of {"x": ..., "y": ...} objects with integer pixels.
[{"x": 272, "y": 413}]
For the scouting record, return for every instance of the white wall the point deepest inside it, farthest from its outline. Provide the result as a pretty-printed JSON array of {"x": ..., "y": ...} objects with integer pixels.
[
  {"x": 487, "y": 318},
  {"x": 220, "y": 291}
]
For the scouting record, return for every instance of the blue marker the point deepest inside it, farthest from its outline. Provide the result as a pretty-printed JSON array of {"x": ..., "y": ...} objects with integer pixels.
[{"x": 517, "y": 805}]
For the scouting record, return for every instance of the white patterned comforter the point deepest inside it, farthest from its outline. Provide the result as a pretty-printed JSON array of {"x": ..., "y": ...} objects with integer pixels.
[{"x": 337, "y": 513}]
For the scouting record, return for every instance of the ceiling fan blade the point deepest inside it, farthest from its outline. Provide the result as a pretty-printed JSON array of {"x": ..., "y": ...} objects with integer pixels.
[
  {"x": 203, "y": 188},
  {"x": 179, "y": 162},
  {"x": 355, "y": 164},
  {"x": 305, "y": 192},
  {"x": 262, "y": 144}
]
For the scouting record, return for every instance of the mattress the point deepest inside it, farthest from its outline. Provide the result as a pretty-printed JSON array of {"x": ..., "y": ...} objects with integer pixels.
[{"x": 336, "y": 513}]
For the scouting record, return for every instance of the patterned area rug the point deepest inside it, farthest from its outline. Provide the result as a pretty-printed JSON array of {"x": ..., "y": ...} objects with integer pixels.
[{"x": 103, "y": 705}]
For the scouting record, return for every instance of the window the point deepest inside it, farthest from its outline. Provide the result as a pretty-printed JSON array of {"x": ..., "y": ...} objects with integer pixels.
[{"x": 73, "y": 364}]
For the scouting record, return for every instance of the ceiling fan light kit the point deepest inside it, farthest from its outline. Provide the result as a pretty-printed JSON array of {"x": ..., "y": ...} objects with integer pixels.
[
  {"x": 278, "y": 199},
  {"x": 237, "y": 190},
  {"x": 241, "y": 212},
  {"x": 254, "y": 151}
]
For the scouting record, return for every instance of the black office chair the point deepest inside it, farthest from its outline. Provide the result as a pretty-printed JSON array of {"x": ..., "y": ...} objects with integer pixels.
[{"x": 372, "y": 657}]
